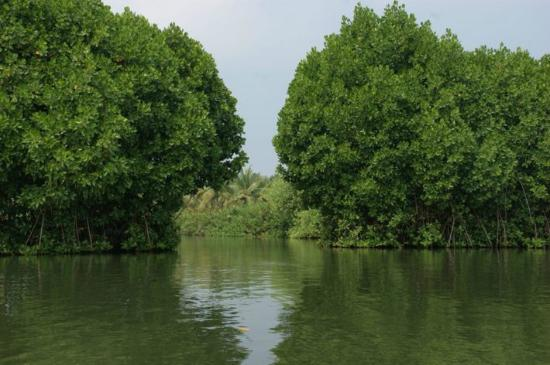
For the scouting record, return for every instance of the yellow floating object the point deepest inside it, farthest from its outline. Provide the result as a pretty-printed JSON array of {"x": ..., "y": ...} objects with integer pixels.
[{"x": 243, "y": 329}]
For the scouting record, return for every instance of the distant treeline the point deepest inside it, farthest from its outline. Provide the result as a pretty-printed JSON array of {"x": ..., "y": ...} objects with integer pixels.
[
  {"x": 400, "y": 137},
  {"x": 105, "y": 122},
  {"x": 250, "y": 205}
]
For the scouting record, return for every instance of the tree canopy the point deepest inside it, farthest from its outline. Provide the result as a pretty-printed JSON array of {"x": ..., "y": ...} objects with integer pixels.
[
  {"x": 105, "y": 121},
  {"x": 402, "y": 137}
]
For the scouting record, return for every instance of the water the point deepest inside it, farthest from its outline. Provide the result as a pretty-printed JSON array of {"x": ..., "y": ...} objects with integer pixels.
[{"x": 261, "y": 302}]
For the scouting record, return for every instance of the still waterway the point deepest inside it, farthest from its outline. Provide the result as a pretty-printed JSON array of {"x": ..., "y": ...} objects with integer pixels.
[{"x": 234, "y": 301}]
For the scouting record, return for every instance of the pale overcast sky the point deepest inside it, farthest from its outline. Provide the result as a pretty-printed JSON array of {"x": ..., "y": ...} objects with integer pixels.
[{"x": 258, "y": 43}]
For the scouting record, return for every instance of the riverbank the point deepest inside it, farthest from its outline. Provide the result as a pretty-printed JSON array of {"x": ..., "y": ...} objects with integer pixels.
[{"x": 76, "y": 249}]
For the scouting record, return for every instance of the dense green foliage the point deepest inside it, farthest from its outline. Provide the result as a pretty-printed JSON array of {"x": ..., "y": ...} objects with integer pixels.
[
  {"x": 401, "y": 137},
  {"x": 249, "y": 205},
  {"x": 306, "y": 224},
  {"x": 105, "y": 121}
]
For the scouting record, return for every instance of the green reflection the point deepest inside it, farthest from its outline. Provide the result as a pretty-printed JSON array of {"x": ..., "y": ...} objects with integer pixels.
[
  {"x": 300, "y": 304},
  {"x": 422, "y": 307},
  {"x": 110, "y": 309}
]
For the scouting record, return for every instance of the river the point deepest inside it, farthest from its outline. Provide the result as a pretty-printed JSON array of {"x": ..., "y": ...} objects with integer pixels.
[{"x": 235, "y": 301}]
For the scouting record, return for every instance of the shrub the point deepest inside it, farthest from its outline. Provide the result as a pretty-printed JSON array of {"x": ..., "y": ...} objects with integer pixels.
[
  {"x": 244, "y": 211},
  {"x": 307, "y": 225}
]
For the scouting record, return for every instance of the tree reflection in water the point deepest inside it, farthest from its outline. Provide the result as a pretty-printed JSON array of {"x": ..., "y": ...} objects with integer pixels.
[{"x": 300, "y": 304}]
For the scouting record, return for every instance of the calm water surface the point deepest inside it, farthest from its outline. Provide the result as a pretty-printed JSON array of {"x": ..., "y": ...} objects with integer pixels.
[{"x": 273, "y": 302}]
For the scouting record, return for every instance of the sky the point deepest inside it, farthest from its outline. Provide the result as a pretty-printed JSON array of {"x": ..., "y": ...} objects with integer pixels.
[{"x": 257, "y": 44}]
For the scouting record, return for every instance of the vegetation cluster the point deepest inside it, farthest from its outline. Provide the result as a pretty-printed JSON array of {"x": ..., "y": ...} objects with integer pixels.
[
  {"x": 390, "y": 136},
  {"x": 250, "y": 205},
  {"x": 105, "y": 122},
  {"x": 400, "y": 137}
]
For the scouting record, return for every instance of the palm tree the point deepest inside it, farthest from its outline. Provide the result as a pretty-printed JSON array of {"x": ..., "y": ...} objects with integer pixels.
[
  {"x": 245, "y": 188},
  {"x": 203, "y": 199}
]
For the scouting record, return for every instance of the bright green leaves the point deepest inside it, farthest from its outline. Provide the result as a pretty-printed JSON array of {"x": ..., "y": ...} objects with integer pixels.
[
  {"x": 397, "y": 135},
  {"x": 225, "y": 145},
  {"x": 106, "y": 121}
]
